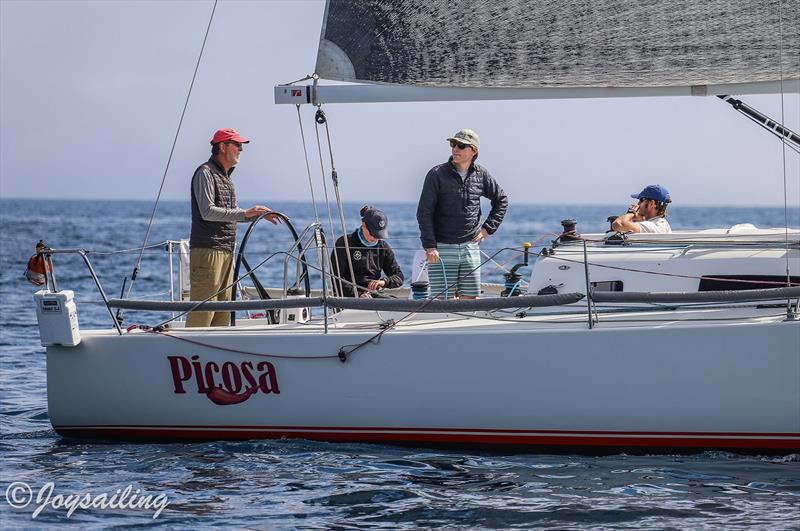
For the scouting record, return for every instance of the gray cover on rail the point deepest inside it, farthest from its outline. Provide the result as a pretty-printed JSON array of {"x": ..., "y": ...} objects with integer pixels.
[
  {"x": 440, "y": 306},
  {"x": 214, "y": 306},
  {"x": 400, "y": 305},
  {"x": 445, "y": 306},
  {"x": 698, "y": 296},
  {"x": 560, "y": 43}
]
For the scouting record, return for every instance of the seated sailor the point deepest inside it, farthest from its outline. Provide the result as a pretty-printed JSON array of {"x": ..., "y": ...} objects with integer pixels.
[
  {"x": 373, "y": 260},
  {"x": 649, "y": 214}
]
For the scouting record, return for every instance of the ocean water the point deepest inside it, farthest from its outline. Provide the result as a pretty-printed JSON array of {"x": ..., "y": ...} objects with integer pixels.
[{"x": 289, "y": 484}]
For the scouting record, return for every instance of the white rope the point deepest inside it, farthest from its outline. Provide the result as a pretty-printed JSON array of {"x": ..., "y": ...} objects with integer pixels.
[
  {"x": 308, "y": 165},
  {"x": 169, "y": 159},
  {"x": 328, "y": 205},
  {"x": 783, "y": 151},
  {"x": 334, "y": 179}
]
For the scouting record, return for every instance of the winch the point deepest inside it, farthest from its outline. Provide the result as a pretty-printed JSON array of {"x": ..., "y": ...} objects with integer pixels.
[{"x": 514, "y": 285}]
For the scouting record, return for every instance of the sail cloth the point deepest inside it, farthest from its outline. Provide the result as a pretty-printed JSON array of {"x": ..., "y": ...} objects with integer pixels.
[{"x": 560, "y": 43}]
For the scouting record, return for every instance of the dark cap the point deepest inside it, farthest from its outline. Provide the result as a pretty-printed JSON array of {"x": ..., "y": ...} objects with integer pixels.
[
  {"x": 656, "y": 192},
  {"x": 376, "y": 221}
]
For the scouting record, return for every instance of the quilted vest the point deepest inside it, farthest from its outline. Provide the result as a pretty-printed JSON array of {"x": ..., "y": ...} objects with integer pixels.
[{"x": 214, "y": 234}]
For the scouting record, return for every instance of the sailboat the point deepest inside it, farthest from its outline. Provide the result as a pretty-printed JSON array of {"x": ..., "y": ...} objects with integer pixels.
[{"x": 554, "y": 361}]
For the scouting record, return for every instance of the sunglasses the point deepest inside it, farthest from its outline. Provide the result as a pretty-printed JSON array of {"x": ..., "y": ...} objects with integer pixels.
[
  {"x": 238, "y": 145},
  {"x": 459, "y": 145}
]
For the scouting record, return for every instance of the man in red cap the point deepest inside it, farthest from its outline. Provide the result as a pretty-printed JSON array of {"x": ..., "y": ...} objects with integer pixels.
[{"x": 214, "y": 217}]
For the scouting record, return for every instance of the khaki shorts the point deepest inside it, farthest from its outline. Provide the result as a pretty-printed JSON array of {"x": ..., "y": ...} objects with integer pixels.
[{"x": 210, "y": 271}]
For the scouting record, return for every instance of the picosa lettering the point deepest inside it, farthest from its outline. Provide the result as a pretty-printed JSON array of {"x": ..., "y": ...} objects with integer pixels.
[{"x": 230, "y": 383}]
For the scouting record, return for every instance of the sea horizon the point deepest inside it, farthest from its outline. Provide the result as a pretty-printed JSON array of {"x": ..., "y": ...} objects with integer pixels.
[{"x": 247, "y": 201}]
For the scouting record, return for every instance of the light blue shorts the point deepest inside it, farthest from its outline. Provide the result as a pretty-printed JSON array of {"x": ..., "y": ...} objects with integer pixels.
[{"x": 458, "y": 271}]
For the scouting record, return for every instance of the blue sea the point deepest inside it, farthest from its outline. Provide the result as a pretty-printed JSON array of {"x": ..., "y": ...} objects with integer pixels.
[{"x": 299, "y": 484}]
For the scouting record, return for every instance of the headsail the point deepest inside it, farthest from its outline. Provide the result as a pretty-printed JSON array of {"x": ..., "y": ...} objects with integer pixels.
[{"x": 572, "y": 44}]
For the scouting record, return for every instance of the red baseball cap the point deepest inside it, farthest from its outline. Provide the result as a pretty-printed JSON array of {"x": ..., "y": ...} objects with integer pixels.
[{"x": 226, "y": 134}]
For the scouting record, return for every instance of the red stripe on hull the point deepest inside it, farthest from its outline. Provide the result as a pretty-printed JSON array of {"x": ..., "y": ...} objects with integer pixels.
[{"x": 789, "y": 442}]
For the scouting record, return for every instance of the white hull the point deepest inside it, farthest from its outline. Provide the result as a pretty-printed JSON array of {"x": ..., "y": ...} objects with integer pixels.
[{"x": 538, "y": 381}]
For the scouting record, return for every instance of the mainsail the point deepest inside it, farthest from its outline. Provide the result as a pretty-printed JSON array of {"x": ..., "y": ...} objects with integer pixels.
[{"x": 562, "y": 43}]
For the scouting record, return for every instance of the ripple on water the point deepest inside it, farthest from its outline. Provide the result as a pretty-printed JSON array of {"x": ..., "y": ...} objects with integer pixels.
[{"x": 289, "y": 484}]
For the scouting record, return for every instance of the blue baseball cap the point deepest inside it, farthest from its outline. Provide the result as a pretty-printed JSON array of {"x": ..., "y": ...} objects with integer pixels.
[
  {"x": 376, "y": 221},
  {"x": 656, "y": 192}
]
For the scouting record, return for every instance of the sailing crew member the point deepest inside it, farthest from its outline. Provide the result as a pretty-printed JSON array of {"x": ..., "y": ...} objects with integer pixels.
[
  {"x": 214, "y": 217},
  {"x": 374, "y": 263},
  {"x": 648, "y": 215},
  {"x": 449, "y": 218}
]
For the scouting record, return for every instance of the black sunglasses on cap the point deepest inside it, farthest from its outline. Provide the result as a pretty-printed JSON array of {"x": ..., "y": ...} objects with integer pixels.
[{"x": 459, "y": 145}]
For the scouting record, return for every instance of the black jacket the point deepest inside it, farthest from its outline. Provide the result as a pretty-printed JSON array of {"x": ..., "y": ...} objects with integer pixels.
[
  {"x": 449, "y": 209},
  {"x": 368, "y": 264}
]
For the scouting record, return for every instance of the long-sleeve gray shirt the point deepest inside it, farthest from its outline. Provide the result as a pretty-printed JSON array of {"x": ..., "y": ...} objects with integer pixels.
[{"x": 203, "y": 186}]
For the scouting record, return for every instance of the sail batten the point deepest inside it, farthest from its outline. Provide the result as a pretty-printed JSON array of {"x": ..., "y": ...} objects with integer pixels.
[{"x": 551, "y": 44}]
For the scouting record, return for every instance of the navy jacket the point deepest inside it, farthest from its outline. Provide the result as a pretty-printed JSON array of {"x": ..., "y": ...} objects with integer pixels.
[
  {"x": 449, "y": 209},
  {"x": 368, "y": 264}
]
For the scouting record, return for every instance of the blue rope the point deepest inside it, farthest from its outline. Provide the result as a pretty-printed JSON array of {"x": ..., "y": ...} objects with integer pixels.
[
  {"x": 444, "y": 274},
  {"x": 516, "y": 285}
]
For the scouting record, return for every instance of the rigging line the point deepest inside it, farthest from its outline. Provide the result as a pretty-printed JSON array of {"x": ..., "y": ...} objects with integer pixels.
[
  {"x": 335, "y": 180},
  {"x": 519, "y": 251},
  {"x": 609, "y": 319},
  {"x": 535, "y": 244},
  {"x": 330, "y": 215},
  {"x": 666, "y": 245},
  {"x": 377, "y": 337},
  {"x": 783, "y": 152},
  {"x": 213, "y": 295},
  {"x": 129, "y": 250},
  {"x": 308, "y": 166},
  {"x": 342, "y": 279},
  {"x": 319, "y": 237},
  {"x": 169, "y": 159},
  {"x": 237, "y": 351},
  {"x": 631, "y": 270},
  {"x": 498, "y": 266},
  {"x": 489, "y": 258},
  {"x": 296, "y": 81}
]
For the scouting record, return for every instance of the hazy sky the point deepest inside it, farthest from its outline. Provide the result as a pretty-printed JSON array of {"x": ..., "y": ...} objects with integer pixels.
[{"x": 91, "y": 94}]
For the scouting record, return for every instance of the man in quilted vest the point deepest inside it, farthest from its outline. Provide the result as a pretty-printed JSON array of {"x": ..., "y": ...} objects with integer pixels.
[{"x": 214, "y": 217}]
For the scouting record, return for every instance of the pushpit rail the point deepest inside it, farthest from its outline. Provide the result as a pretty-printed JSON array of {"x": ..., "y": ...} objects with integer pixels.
[{"x": 47, "y": 252}]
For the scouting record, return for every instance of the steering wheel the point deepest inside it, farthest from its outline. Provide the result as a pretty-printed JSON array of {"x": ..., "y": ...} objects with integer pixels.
[{"x": 241, "y": 260}]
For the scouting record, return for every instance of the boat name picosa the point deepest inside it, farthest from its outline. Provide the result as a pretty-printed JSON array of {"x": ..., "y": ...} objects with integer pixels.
[{"x": 239, "y": 382}]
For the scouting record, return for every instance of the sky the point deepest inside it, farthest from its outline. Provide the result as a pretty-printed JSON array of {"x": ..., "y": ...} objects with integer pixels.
[{"x": 91, "y": 94}]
